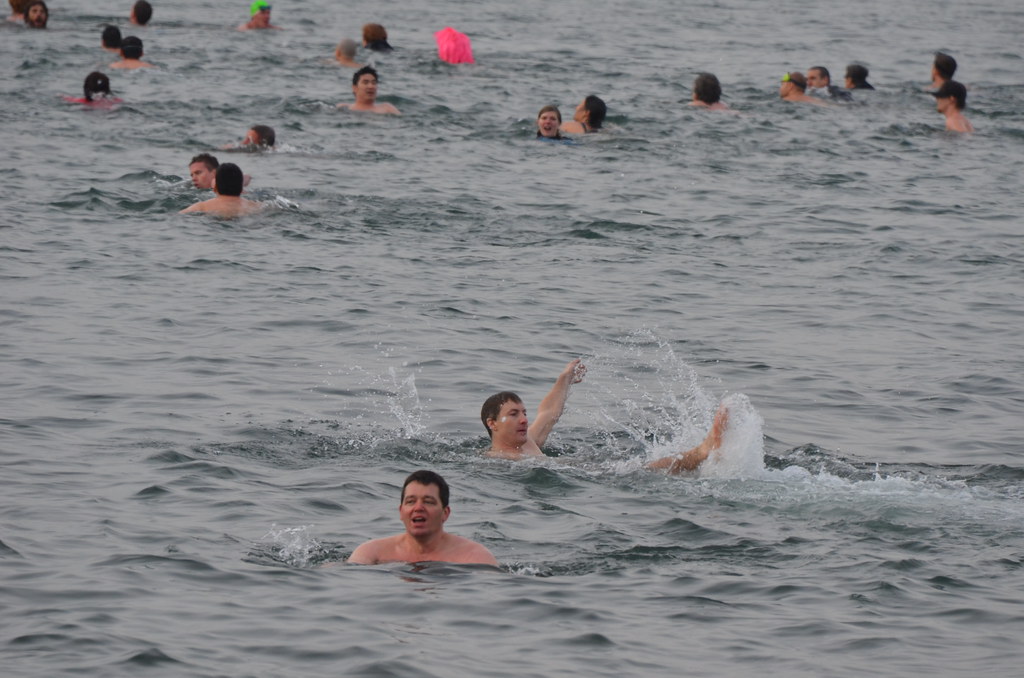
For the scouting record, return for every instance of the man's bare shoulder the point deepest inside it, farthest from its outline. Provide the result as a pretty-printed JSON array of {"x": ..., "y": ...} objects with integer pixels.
[
  {"x": 375, "y": 551},
  {"x": 469, "y": 552},
  {"x": 224, "y": 207}
]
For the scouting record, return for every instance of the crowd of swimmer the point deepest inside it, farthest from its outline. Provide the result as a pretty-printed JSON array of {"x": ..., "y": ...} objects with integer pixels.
[{"x": 227, "y": 180}]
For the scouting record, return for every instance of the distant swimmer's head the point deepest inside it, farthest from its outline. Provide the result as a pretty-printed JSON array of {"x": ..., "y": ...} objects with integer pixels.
[
  {"x": 260, "y": 13},
  {"x": 229, "y": 180},
  {"x": 857, "y": 77},
  {"x": 944, "y": 66},
  {"x": 818, "y": 76},
  {"x": 97, "y": 85},
  {"x": 346, "y": 48},
  {"x": 375, "y": 38},
  {"x": 793, "y": 81},
  {"x": 202, "y": 169},
  {"x": 492, "y": 408},
  {"x": 141, "y": 13},
  {"x": 131, "y": 47},
  {"x": 260, "y": 135},
  {"x": 18, "y": 7},
  {"x": 428, "y": 478},
  {"x": 36, "y": 14},
  {"x": 112, "y": 37},
  {"x": 364, "y": 84},
  {"x": 591, "y": 111},
  {"x": 548, "y": 121},
  {"x": 951, "y": 92},
  {"x": 706, "y": 88}
]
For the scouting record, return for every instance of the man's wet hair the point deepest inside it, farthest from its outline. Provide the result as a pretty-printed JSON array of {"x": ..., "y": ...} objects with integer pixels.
[
  {"x": 229, "y": 179},
  {"x": 143, "y": 12},
  {"x": 798, "y": 79},
  {"x": 265, "y": 134},
  {"x": 348, "y": 47},
  {"x": 492, "y": 406},
  {"x": 953, "y": 89},
  {"x": 424, "y": 477},
  {"x": 131, "y": 47},
  {"x": 112, "y": 37},
  {"x": 96, "y": 83},
  {"x": 858, "y": 75},
  {"x": 707, "y": 88},
  {"x": 945, "y": 65},
  {"x": 597, "y": 109},
  {"x": 207, "y": 159},
  {"x": 363, "y": 71},
  {"x": 824, "y": 73}
]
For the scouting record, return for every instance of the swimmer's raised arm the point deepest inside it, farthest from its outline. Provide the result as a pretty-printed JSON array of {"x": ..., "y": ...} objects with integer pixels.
[{"x": 551, "y": 407}]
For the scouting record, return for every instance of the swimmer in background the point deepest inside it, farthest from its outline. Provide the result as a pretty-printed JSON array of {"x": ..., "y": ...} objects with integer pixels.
[
  {"x": 97, "y": 92},
  {"x": 514, "y": 437},
  {"x": 588, "y": 116},
  {"x": 345, "y": 53},
  {"x": 819, "y": 81},
  {"x": 951, "y": 100},
  {"x": 131, "y": 55},
  {"x": 258, "y": 138},
  {"x": 857, "y": 77},
  {"x": 259, "y": 11},
  {"x": 111, "y": 39},
  {"x": 423, "y": 508},
  {"x": 943, "y": 69},
  {"x": 228, "y": 202},
  {"x": 548, "y": 121},
  {"x": 17, "y": 10},
  {"x": 36, "y": 14},
  {"x": 792, "y": 89},
  {"x": 376, "y": 38},
  {"x": 707, "y": 93},
  {"x": 364, "y": 87},
  {"x": 203, "y": 168},
  {"x": 141, "y": 13}
]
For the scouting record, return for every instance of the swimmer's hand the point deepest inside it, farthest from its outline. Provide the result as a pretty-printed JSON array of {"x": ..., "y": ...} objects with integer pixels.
[{"x": 575, "y": 370}]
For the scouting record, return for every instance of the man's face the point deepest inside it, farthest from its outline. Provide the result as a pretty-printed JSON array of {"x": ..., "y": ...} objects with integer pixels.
[
  {"x": 36, "y": 16},
  {"x": 261, "y": 19},
  {"x": 815, "y": 78},
  {"x": 202, "y": 176},
  {"x": 421, "y": 510},
  {"x": 512, "y": 424},
  {"x": 366, "y": 87}
]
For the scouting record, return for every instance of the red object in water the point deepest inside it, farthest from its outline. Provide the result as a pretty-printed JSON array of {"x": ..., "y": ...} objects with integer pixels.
[{"x": 453, "y": 47}]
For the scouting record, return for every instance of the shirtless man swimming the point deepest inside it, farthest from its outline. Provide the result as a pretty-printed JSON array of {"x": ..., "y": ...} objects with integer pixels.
[
  {"x": 228, "y": 202},
  {"x": 794, "y": 88},
  {"x": 514, "y": 437},
  {"x": 423, "y": 509},
  {"x": 364, "y": 86},
  {"x": 950, "y": 100}
]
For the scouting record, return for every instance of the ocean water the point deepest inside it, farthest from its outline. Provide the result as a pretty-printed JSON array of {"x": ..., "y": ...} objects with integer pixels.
[{"x": 201, "y": 418}]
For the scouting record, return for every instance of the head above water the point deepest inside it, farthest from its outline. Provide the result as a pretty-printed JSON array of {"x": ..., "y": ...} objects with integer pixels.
[
  {"x": 142, "y": 12},
  {"x": 347, "y": 48},
  {"x": 492, "y": 407},
  {"x": 229, "y": 179},
  {"x": 131, "y": 47},
  {"x": 427, "y": 478},
  {"x": 112, "y": 37},
  {"x": 96, "y": 83},
  {"x": 210, "y": 161},
  {"x": 373, "y": 33},
  {"x": 365, "y": 70},
  {"x": 944, "y": 65},
  {"x": 707, "y": 88},
  {"x": 263, "y": 135},
  {"x": 951, "y": 89},
  {"x": 857, "y": 75},
  {"x": 36, "y": 14},
  {"x": 797, "y": 79},
  {"x": 258, "y": 6},
  {"x": 596, "y": 110}
]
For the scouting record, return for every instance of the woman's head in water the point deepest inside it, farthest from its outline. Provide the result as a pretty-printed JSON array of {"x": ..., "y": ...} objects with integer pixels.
[
  {"x": 548, "y": 121},
  {"x": 591, "y": 111},
  {"x": 97, "y": 86},
  {"x": 36, "y": 14},
  {"x": 706, "y": 88}
]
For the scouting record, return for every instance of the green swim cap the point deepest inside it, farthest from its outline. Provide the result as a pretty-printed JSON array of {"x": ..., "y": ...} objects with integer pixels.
[{"x": 258, "y": 6}]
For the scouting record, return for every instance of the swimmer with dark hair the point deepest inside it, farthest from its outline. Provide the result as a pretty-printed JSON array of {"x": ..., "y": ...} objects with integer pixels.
[
  {"x": 131, "y": 55},
  {"x": 111, "y": 39},
  {"x": 36, "y": 14},
  {"x": 376, "y": 38},
  {"x": 951, "y": 100},
  {"x": 257, "y": 138},
  {"x": 364, "y": 87},
  {"x": 707, "y": 93},
  {"x": 588, "y": 116},
  {"x": 97, "y": 92},
  {"x": 943, "y": 69},
  {"x": 793, "y": 88},
  {"x": 227, "y": 184},
  {"x": 141, "y": 13},
  {"x": 857, "y": 77}
]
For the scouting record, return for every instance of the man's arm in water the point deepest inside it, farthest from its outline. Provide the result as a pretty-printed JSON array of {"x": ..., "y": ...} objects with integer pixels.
[{"x": 551, "y": 407}]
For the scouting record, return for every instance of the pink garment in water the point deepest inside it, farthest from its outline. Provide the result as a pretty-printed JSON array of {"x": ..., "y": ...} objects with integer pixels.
[{"x": 453, "y": 46}]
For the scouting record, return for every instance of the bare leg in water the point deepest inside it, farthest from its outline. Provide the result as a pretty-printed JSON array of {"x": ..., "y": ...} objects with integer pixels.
[{"x": 690, "y": 460}]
